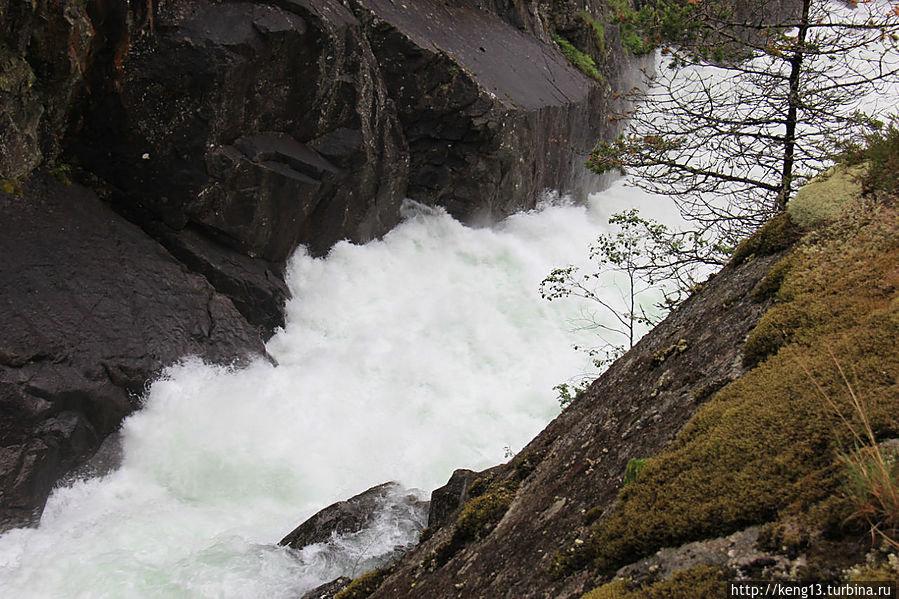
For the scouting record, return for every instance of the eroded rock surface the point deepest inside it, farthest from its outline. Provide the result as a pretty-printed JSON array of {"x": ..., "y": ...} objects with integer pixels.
[{"x": 91, "y": 309}]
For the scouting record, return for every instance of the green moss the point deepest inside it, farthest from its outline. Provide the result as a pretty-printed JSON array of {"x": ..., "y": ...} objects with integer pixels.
[
  {"x": 364, "y": 585},
  {"x": 766, "y": 445},
  {"x": 578, "y": 59},
  {"x": 479, "y": 486},
  {"x": 698, "y": 582},
  {"x": 885, "y": 569},
  {"x": 771, "y": 282},
  {"x": 778, "y": 234},
  {"x": 10, "y": 186},
  {"x": 663, "y": 354},
  {"x": 481, "y": 514},
  {"x": 527, "y": 462},
  {"x": 633, "y": 469},
  {"x": 597, "y": 28},
  {"x": 61, "y": 173}
]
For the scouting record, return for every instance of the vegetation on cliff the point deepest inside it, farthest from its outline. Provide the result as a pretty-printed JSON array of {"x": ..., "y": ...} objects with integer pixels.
[{"x": 795, "y": 442}]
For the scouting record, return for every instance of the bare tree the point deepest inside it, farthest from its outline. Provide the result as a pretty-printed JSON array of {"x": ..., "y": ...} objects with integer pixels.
[{"x": 733, "y": 124}]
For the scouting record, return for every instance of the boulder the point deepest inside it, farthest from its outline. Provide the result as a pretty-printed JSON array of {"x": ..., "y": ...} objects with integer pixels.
[
  {"x": 92, "y": 309},
  {"x": 344, "y": 537},
  {"x": 446, "y": 500}
]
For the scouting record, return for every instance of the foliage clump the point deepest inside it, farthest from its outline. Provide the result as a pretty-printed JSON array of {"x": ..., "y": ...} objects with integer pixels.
[
  {"x": 655, "y": 23},
  {"x": 580, "y": 60},
  {"x": 750, "y": 111},
  {"x": 767, "y": 445},
  {"x": 880, "y": 151},
  {"x": 698, "y": 582}
]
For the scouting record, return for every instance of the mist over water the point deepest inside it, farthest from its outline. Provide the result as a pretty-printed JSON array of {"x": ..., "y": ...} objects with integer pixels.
[{"x": 402, "y": 359}]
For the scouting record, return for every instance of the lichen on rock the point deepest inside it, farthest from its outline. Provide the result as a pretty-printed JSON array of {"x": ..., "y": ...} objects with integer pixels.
[{"x": 824, "y": 197}]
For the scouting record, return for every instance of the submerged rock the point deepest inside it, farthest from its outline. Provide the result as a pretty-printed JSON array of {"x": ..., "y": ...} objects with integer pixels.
[
  {"x": 388, "y": 500},
  {"x": 368, "y": 531}
]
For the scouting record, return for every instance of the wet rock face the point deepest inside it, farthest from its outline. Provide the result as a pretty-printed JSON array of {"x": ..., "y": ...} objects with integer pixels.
[
  {"x": 233, "y": 131},
  {"x": 261, "y": 124},
  {"x": 91, "y": 309},
  {"x": 245, "y": 129},
  {"x": 43, "y": 50}
]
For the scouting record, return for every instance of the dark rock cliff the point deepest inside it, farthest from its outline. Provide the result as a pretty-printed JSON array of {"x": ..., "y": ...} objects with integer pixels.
[
  {"x": 91, "y": 309},
  {"x": 230, "y": 132},
  {"x": 234, "y": 131}
]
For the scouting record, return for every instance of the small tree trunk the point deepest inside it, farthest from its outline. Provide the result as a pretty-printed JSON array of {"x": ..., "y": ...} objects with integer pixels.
[{"x": 793, "y": 105}]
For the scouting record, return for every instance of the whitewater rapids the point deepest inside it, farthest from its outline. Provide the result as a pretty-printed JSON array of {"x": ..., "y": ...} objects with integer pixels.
[{"x": 401, "y": 359}]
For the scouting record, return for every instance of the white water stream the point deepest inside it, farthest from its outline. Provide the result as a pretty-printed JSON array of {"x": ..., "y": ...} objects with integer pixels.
[{"x": 402, "y": 359}]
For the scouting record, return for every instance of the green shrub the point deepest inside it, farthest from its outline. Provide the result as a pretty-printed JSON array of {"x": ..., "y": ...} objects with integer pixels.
[
  {"x": 880, "y": 151},
  {"x": 578, "y": 59}
]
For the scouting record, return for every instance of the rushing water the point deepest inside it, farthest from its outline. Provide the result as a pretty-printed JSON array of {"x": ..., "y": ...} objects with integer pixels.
[{"x": 401, "y": 359}]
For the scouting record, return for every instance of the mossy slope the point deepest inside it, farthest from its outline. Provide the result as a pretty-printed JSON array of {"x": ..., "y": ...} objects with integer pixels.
[
  {"x": 700, "y": 582},
  {"x": 766, "y": 445}
]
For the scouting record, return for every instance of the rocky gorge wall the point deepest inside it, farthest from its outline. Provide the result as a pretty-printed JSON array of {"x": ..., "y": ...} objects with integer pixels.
[{"x": 194, "y": 144}]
